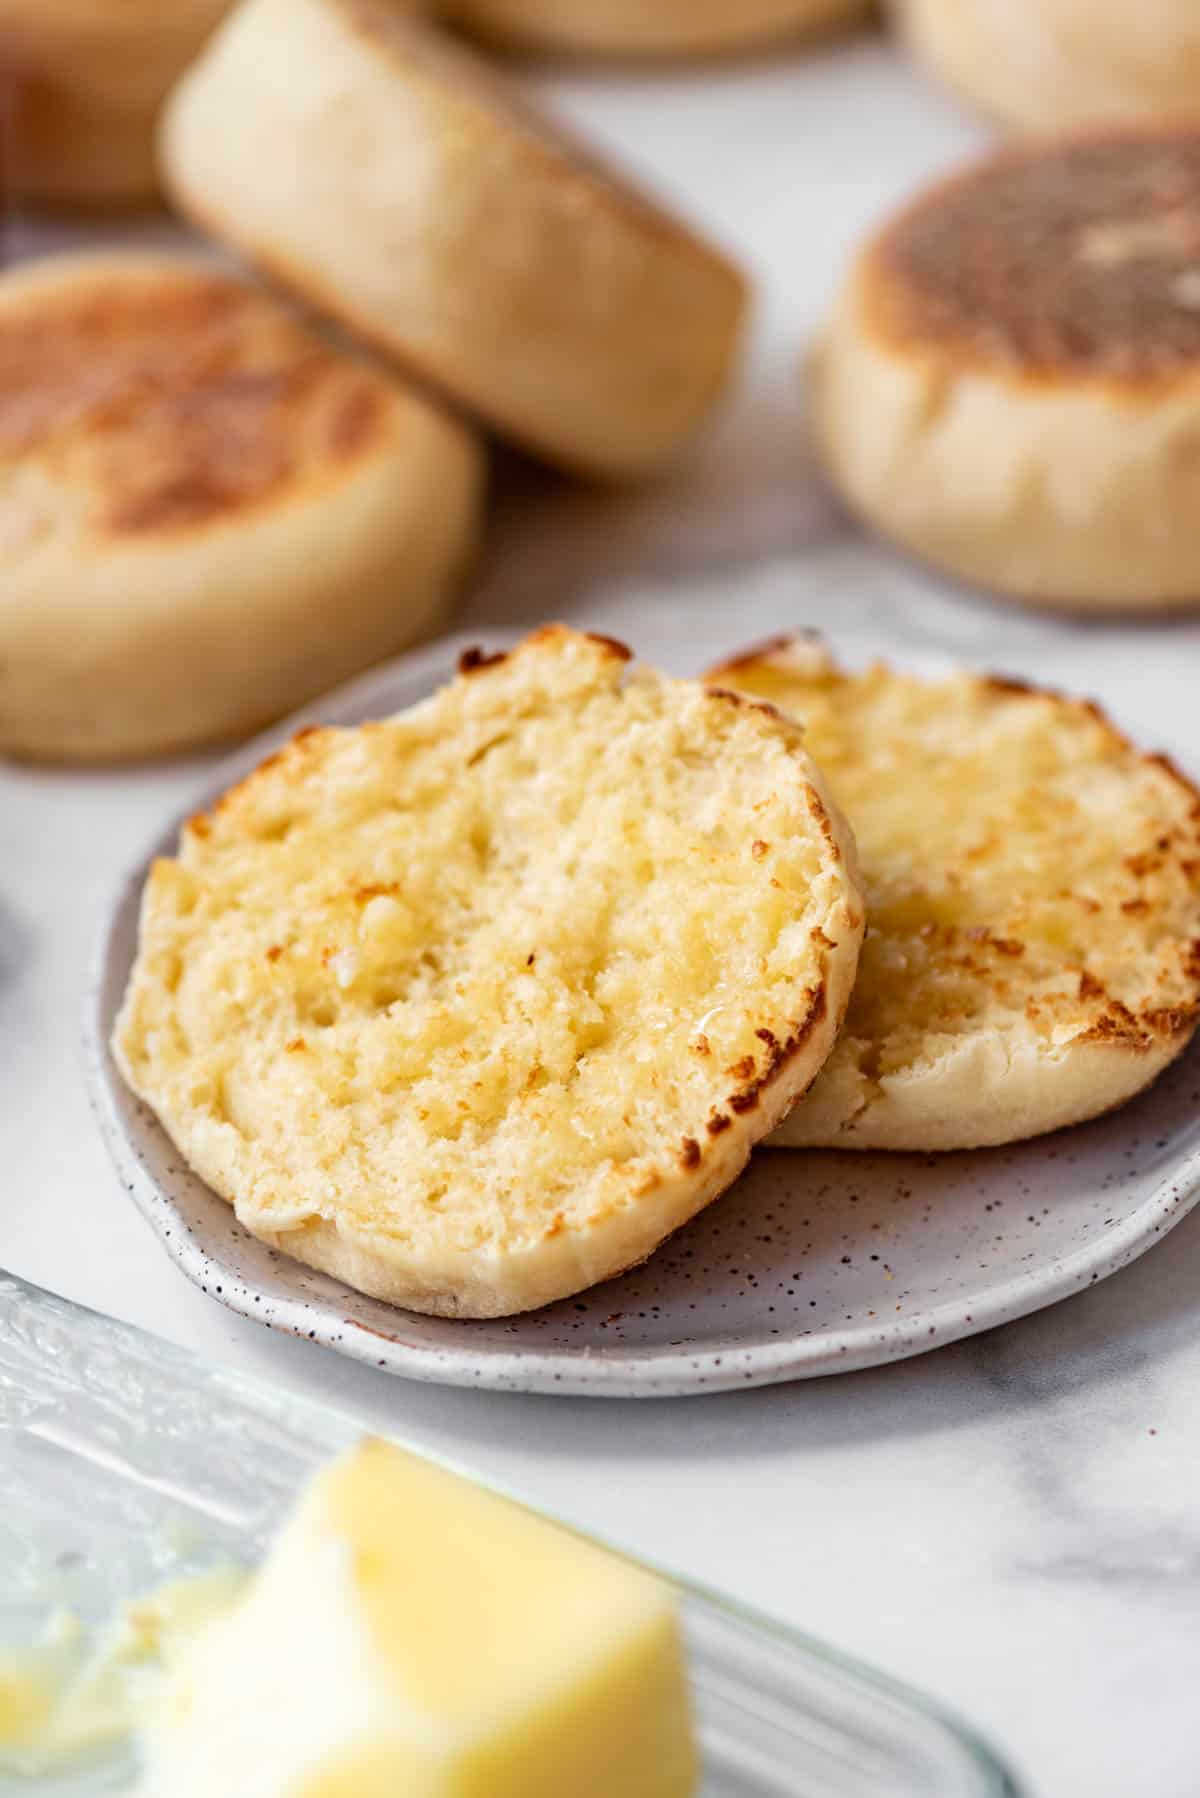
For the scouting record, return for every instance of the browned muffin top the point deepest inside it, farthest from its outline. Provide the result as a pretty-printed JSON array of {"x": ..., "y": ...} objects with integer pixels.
[
  {"x": 1078, "y": 259},
  {"x": 167, "y": 397}
]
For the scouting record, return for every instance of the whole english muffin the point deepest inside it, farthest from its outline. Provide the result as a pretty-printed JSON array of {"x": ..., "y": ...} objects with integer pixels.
[
  {"x": 649, "y": 27},
  {"x": 1011, "y": 383},
  {"x": 399, "y": 186},
  {"x": 1032, "y": 955},
  {"x": 1050, "y": 64},
  {"x": 474, "y": 1006},
  {"x": 208, "y": 515}
]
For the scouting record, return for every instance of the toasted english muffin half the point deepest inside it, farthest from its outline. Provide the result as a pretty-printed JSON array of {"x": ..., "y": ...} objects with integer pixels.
[
  {"x": 1010, "y": 386},
  {"x": 1032, "y": 955},
  {"x": 474, "y": 1006},
  {"x": 1047, "y": 65},
  {"x": 660, "y": 28},
  {"x": 208, "y": 515},
  {"x": 403, "y": 189}
]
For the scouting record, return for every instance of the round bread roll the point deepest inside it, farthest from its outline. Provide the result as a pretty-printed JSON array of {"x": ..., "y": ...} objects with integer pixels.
[
  {"x": 649, "y": 27},
  {"x": 1032, "y": 955},
  {"x": 473, "y": 1007},
  {"x": 1050, "y": 64},
  {"x": 1011, "y": 383},
  {"x": 207, "y": 515},
  {"x": 401, "y": 189},
  {"x": 88, "y": 79}
]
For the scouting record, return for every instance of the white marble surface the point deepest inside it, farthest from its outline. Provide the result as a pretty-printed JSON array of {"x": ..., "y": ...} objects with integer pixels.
[{"x": 1011, "y": 1523}]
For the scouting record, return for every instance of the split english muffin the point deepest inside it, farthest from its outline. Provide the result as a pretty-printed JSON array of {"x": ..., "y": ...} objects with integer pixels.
[
  {"x": 208, "y": 515},
  {"x": 1032, "y": 955},
  {"x": 665, "y": 28},
  {"x": 474, "y": 1006},
  {"x": 1051, "y": 64},
  {"x": 1011, "y": 383},
  {"x": 403, "y": 190}
]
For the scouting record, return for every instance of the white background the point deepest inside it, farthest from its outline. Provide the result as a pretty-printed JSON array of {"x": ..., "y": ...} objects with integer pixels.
[{"x": 1012, "y": 1523}]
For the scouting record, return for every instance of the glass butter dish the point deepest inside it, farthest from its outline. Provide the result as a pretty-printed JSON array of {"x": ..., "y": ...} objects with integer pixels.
[{"x": 125, "y": 1462}]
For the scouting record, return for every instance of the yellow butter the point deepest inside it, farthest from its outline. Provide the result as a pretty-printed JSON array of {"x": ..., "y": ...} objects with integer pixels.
[
  {"x": 412, "y": 1634},
  {"x": 27, "y": 1698}
]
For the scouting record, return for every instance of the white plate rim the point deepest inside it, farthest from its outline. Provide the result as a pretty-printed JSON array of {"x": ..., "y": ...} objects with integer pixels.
[{"x": 665, "y": 1372}]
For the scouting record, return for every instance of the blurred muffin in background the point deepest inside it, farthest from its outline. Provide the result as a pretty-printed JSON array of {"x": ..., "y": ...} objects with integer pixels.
[
  {"x": 1010, "y": 386},
  {"x": 663, "y": 28},
  {"x": 1043, "y": 64},
  {"x": 88, "y": 79},
  {"x": 208, "y": 514},
  {"x": 385, "y": 175}
]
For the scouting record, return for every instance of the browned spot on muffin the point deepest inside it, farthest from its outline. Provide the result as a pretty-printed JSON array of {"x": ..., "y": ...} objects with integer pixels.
[
  {"x": 274, "y": 952},
  {"x": 689, "y": 1155},
  {"x": 743, "y": 1069},
  {"x": 613, "y": 644},
  {"x": 718, "y": 1122},
  {"x": 472, "y": 660},
  {"x": 762, "y": 652},
  {"x": 383, "y": 889},
  {"x": 174, "y": 400},
  {"x": 779, "y": 1054},
  {"x": 356, "y": 420},
  {"x": 1073, "y": 259}
]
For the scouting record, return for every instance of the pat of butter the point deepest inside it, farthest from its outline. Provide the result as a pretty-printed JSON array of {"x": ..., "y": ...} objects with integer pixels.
[
  {"x": 27, "y": 1699},
  {"x": 412, "y": 1634}
]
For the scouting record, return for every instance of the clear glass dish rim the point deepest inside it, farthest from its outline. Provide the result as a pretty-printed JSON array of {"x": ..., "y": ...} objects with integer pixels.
[{"x": 998, "y": 1780}]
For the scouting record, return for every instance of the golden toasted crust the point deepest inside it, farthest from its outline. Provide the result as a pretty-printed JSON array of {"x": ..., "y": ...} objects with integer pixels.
[
  {"x": 175, "y": 401},
  {"x": 504, "y": 263},
  {"x": 1067, "y": 259},
  {"x": 649, "y": 28},
  {"x": 1033, "y": 893},
  {"x": 473, "y": 1007},
  {"x": 207, "y": 513}
]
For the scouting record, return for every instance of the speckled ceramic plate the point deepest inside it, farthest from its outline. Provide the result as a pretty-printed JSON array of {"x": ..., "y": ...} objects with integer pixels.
[{"x": 812, "y": 1264}]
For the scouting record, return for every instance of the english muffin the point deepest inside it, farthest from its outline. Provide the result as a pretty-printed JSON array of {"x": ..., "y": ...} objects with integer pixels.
[
  {"x": 1032, "y": 955},
  {"x": 1053, "y": 64},
  {"x": 650, "y": 27},
  {"x": 402, "y": 189},
  {"x": 87, "y": 79},
  {"x": 207, "y": 514},
  {"x": 1011, "y": 383},
  {"x": 473, "y": 1006}
]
